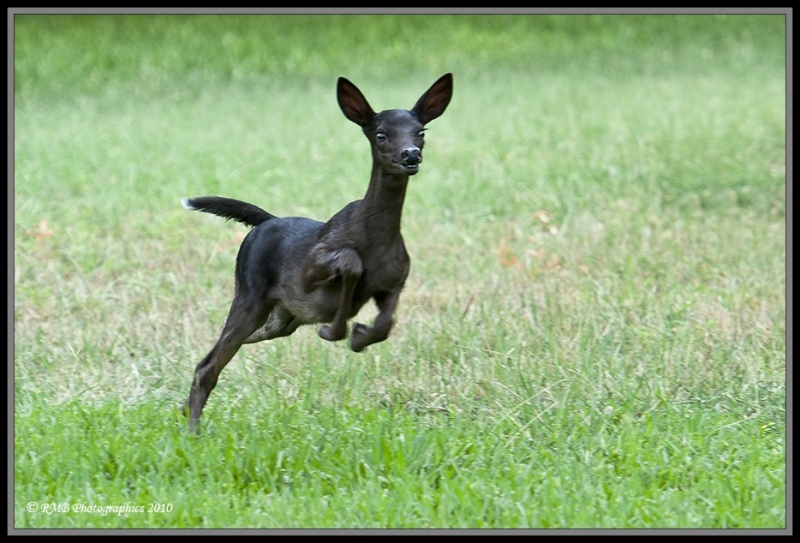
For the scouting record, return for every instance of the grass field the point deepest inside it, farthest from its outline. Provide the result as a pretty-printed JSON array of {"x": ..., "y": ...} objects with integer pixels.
[{"x": 592, "y": 334}]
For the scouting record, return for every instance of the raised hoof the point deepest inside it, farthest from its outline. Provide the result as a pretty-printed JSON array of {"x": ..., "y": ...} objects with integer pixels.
[
  {"x": 358, "y": 339},
  {"x": 328, "y": 333}
]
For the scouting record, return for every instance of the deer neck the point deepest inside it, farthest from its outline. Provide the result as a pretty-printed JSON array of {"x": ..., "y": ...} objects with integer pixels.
[{"x": 382, "y": 205}]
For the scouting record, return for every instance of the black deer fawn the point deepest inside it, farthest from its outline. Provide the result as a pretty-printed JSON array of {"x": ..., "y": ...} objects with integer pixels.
[{"x": 292, "y": 271}]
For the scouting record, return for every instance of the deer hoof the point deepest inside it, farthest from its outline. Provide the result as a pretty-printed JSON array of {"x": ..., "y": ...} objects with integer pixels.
[
  {"x": 359, "y": 339},
  {"x": 328, "y": 333}
]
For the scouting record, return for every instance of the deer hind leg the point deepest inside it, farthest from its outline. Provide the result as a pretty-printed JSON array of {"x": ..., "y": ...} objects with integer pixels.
[
  {"x": 281, "y": 323},
  {"x": 245, "y": 317}
]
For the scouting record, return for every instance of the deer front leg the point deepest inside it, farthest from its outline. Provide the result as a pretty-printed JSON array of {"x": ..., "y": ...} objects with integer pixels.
[
  {"x": 324, "y": 268},
  {"x": 363, "y": 335}
]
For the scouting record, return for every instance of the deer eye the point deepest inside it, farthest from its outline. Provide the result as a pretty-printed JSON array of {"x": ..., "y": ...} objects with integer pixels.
[
  {"x": 380, "y": 137},
  {"x": 421, "y": 134}
]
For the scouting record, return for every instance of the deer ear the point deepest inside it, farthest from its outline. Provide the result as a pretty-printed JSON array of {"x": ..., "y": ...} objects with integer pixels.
[
  {"x": 435, "y": 100},
  {"x": 354, "y": 106}
]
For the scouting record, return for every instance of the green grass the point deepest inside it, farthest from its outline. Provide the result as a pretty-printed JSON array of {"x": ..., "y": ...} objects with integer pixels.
[{"x": 592, "y": 334}]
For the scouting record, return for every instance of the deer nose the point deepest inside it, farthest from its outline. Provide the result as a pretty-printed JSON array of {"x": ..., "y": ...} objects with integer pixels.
[{"x": 412, "y": 155}]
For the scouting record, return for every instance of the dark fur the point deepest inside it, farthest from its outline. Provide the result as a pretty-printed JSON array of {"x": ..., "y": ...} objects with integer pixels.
[{"x": 292, "y": 271}]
